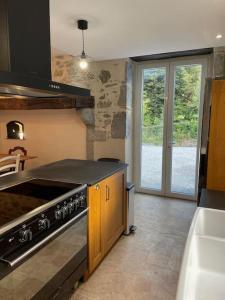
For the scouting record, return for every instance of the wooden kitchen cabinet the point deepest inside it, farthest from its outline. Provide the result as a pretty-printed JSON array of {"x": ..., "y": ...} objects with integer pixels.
[
  {"x": 95, "y": 244},
  {"x": 112, "y": 210},
  {"x": 106, "y": 221},
  {"x": 216, "y": 151}
]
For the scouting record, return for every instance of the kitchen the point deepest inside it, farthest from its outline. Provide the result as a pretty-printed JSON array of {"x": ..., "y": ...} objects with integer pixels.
[{"x": 65, "y": 218}]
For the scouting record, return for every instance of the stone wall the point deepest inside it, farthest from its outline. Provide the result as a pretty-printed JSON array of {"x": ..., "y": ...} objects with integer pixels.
[
  {"x": 109, "y": 124},
  {"x": 218, "y": 62}
]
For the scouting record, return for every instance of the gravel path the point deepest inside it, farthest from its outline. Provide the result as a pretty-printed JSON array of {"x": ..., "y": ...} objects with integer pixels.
[{"x": 183, "y": 168}]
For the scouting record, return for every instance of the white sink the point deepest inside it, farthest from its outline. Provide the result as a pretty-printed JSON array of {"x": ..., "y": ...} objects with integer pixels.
[
  {"x": 210, "y": 222},
  {"x": 202, "y": 275}
]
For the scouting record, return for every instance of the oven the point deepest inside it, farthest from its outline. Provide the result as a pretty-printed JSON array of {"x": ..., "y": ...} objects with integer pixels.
[{"x": 52, "y": 234}]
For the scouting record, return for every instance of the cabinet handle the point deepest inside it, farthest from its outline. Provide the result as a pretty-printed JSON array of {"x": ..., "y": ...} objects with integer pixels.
[
  {"x": 97, "y": 187},
  {"x": 107, "y": 193}
]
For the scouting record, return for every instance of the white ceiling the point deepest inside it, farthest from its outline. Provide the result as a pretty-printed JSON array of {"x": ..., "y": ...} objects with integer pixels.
[{"x": 125, "y": 28}]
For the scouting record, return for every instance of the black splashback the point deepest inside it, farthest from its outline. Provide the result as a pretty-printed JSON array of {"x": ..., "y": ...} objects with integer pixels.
[{"x": 25, "y": 37}]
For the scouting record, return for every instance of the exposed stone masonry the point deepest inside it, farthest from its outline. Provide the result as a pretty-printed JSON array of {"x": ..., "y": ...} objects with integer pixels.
[
  {"x": 108, "y": 82},
  {"x": 219, "y": 62}
]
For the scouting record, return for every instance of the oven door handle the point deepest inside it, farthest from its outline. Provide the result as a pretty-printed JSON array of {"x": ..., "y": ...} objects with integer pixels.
[{"x": 42, "y": 242}]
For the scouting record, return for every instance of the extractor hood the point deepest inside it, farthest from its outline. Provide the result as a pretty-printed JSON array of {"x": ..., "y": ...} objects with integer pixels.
[{"x": 25, "y": 52}]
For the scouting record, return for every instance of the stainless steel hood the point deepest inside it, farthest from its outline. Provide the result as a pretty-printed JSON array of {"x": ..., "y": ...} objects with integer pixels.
[
  {"x": 25, "y": 52},
  {"x": 14, "y": 84}
]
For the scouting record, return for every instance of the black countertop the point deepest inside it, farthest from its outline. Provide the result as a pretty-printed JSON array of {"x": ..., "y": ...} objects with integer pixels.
[
  {"x": 70, "y": 170},
  {"x": 212, "y": 199}
]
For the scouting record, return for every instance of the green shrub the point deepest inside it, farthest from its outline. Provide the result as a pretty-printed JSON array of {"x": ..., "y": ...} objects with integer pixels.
[{"x": 185, "y": 105}]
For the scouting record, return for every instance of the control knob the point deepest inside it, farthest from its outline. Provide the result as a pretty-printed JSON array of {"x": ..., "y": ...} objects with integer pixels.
[
  {"x": 76, "y": 203},
  {"x": 44, "y": 224},
  {"x": 25, "y": 235},
  {"x": 58, "y": 213},
  {"x": 70, "y": 207},
  {"x": 82, "y": 200},
  {"x": 64, "y": 210}
]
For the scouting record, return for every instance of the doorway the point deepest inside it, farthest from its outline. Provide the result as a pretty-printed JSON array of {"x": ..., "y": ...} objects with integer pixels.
[{"x": 168, "y": 115}]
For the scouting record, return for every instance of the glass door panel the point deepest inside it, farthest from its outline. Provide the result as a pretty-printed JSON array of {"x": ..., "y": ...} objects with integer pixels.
[
  {"x": 185, "y": 123},
  {"x": 153, "y": 95},
  {"x": 167, "y": 134}
]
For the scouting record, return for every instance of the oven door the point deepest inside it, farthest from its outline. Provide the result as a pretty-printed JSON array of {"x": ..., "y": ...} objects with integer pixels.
[{"x": 39, "y": 275}]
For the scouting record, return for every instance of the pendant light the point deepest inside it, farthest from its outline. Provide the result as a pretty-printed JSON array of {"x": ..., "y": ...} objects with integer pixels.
[{"x": 83, "y": 63}]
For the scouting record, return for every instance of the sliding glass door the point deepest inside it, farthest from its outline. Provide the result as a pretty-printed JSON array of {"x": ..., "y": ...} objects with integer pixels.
[{"x": 168, "y": 118}]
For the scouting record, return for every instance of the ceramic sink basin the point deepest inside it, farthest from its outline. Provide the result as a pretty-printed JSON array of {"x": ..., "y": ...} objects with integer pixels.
[
  {"x": 202, "y": 275},
  {"x": 210, "y": 222}
]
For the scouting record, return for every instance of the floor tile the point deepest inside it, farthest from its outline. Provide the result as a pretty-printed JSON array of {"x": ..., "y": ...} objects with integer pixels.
[{"x": 145, "y": 265}]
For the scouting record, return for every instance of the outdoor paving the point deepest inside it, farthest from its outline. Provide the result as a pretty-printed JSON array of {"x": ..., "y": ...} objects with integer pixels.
[{"x": 183, "y": 168}]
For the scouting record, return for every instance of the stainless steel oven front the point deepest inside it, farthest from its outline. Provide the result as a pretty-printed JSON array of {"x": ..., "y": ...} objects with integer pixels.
[{"x": 44, "y": 274}]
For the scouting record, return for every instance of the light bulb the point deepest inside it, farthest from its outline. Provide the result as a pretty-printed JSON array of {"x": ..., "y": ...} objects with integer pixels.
[
  {"x": 83, "y": 64},
  {"x": 219, "y": 36}
]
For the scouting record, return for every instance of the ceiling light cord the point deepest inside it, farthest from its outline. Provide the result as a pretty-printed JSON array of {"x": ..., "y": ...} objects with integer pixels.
[
  {"x": 83, "y": 42},
  {"x": 83, "y": 25}
]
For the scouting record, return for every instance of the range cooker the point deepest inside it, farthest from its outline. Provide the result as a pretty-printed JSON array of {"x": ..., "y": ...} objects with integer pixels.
[{"x": 34, "y": 212}]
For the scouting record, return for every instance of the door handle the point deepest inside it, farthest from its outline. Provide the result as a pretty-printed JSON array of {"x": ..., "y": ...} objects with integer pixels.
[
  {"x": 107, "y": 193},
  {"x": 170, "y": 144}
]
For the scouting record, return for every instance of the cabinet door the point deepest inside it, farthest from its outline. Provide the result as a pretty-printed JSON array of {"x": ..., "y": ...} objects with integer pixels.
[
  {"x": 216, "y": 153},
  {"x": 94, "y": 226},
  {"x": 113, "y": 210}
]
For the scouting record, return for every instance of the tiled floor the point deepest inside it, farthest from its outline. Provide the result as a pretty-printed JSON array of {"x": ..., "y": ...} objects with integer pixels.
[{"x": 146, "y": 265}]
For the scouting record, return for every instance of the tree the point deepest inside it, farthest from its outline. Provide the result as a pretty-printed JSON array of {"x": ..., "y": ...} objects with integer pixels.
[{"x": 185, "y": 104}]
